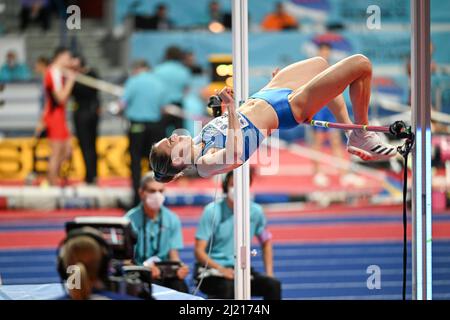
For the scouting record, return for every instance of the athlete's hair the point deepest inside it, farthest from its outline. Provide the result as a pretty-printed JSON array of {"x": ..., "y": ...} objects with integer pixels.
[{"x": 162, "y": 166}]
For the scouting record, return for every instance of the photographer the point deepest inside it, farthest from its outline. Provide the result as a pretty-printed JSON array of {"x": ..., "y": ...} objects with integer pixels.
[
  {"x": 159, "y": 236},
  {"x": 217, "y": 225},
  {"x": 84, "y": 250}
]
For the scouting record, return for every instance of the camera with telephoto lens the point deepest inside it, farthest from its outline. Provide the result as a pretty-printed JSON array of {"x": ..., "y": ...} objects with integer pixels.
[
  {"x": 168, "y": 269},
  {"x": 215, "y": 104},
  {"x": 120, "y": 238}
]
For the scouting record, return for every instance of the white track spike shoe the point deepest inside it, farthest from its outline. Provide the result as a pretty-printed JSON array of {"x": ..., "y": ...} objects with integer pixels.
[{"x": 368, "y": 146}]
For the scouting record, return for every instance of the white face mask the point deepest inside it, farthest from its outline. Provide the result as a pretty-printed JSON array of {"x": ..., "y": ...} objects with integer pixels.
[
  {"x": 154, "y": 200},
  {"x": 230, "y": 194}
]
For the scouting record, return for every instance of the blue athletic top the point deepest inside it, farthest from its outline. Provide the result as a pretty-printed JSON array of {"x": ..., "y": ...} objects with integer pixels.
[
  {"x": 278, "y": 99},
  {"x": 214, "y": 135}
]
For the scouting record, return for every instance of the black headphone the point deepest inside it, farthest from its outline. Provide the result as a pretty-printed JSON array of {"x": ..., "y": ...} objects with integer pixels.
[{"x": 106, "y": 251}]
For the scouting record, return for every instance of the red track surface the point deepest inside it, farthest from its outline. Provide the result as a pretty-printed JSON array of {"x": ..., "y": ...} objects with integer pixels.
[
  {"x": 194, "y": 212},
  {"x": 352, "y": 232}
]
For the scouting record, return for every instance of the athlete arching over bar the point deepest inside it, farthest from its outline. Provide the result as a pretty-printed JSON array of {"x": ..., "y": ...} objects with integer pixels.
[{"x": 293, "y": 96}]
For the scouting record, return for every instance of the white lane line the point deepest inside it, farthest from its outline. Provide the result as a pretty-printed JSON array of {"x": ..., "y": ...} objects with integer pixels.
[{"x": 348, "y": 285}]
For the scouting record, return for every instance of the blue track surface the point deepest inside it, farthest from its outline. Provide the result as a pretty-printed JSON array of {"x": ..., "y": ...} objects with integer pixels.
[
  {"x": 335, "y": 220},
  {"x": 307, "y": 271}
]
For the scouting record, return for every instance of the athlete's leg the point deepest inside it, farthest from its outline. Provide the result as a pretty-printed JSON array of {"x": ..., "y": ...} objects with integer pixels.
[
  {"x": 338, "y": 108},
  {"x": 356, "y": 72},
  {"x": 54, "y": 161},
  {"x": 300, "y": 73},
  {"x": 67, "y": 150},
  {"x": 66, "y": 155},
  {"x": 297, "y": 74}
]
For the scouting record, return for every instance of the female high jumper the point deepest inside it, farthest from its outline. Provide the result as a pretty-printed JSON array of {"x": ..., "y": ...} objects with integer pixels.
[{"x": 293, "y": 96}]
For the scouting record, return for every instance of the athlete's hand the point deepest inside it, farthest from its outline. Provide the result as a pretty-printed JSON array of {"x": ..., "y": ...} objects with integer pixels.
[{"x": 227, "y": 95}]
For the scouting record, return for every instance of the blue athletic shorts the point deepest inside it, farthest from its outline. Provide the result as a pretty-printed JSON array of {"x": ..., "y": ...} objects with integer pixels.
[{"x": 278, "y": 99}]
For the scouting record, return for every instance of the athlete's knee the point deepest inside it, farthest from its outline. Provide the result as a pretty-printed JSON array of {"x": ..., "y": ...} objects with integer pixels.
[
  {"x": 362, "y": 62},
  {"x": 321, "y": 62},
  {"x": 359, "y": 58}
]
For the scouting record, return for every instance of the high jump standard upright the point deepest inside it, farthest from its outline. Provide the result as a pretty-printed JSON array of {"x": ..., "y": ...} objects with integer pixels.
[
  {"x": 421, "y": 188},
  {"x": 241, "y": 175}
]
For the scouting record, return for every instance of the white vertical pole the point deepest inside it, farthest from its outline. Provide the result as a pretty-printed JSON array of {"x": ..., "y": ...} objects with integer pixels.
[
  {"x": 241, "y": 174},
  {"x": 421, "y": 193}
]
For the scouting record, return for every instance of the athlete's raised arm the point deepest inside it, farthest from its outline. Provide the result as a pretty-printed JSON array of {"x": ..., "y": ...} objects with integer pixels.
[{"x": 228, "y": 158}]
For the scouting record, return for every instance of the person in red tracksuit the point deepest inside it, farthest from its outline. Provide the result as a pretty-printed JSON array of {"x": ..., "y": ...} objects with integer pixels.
[{"x": 58, "y": 84}]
